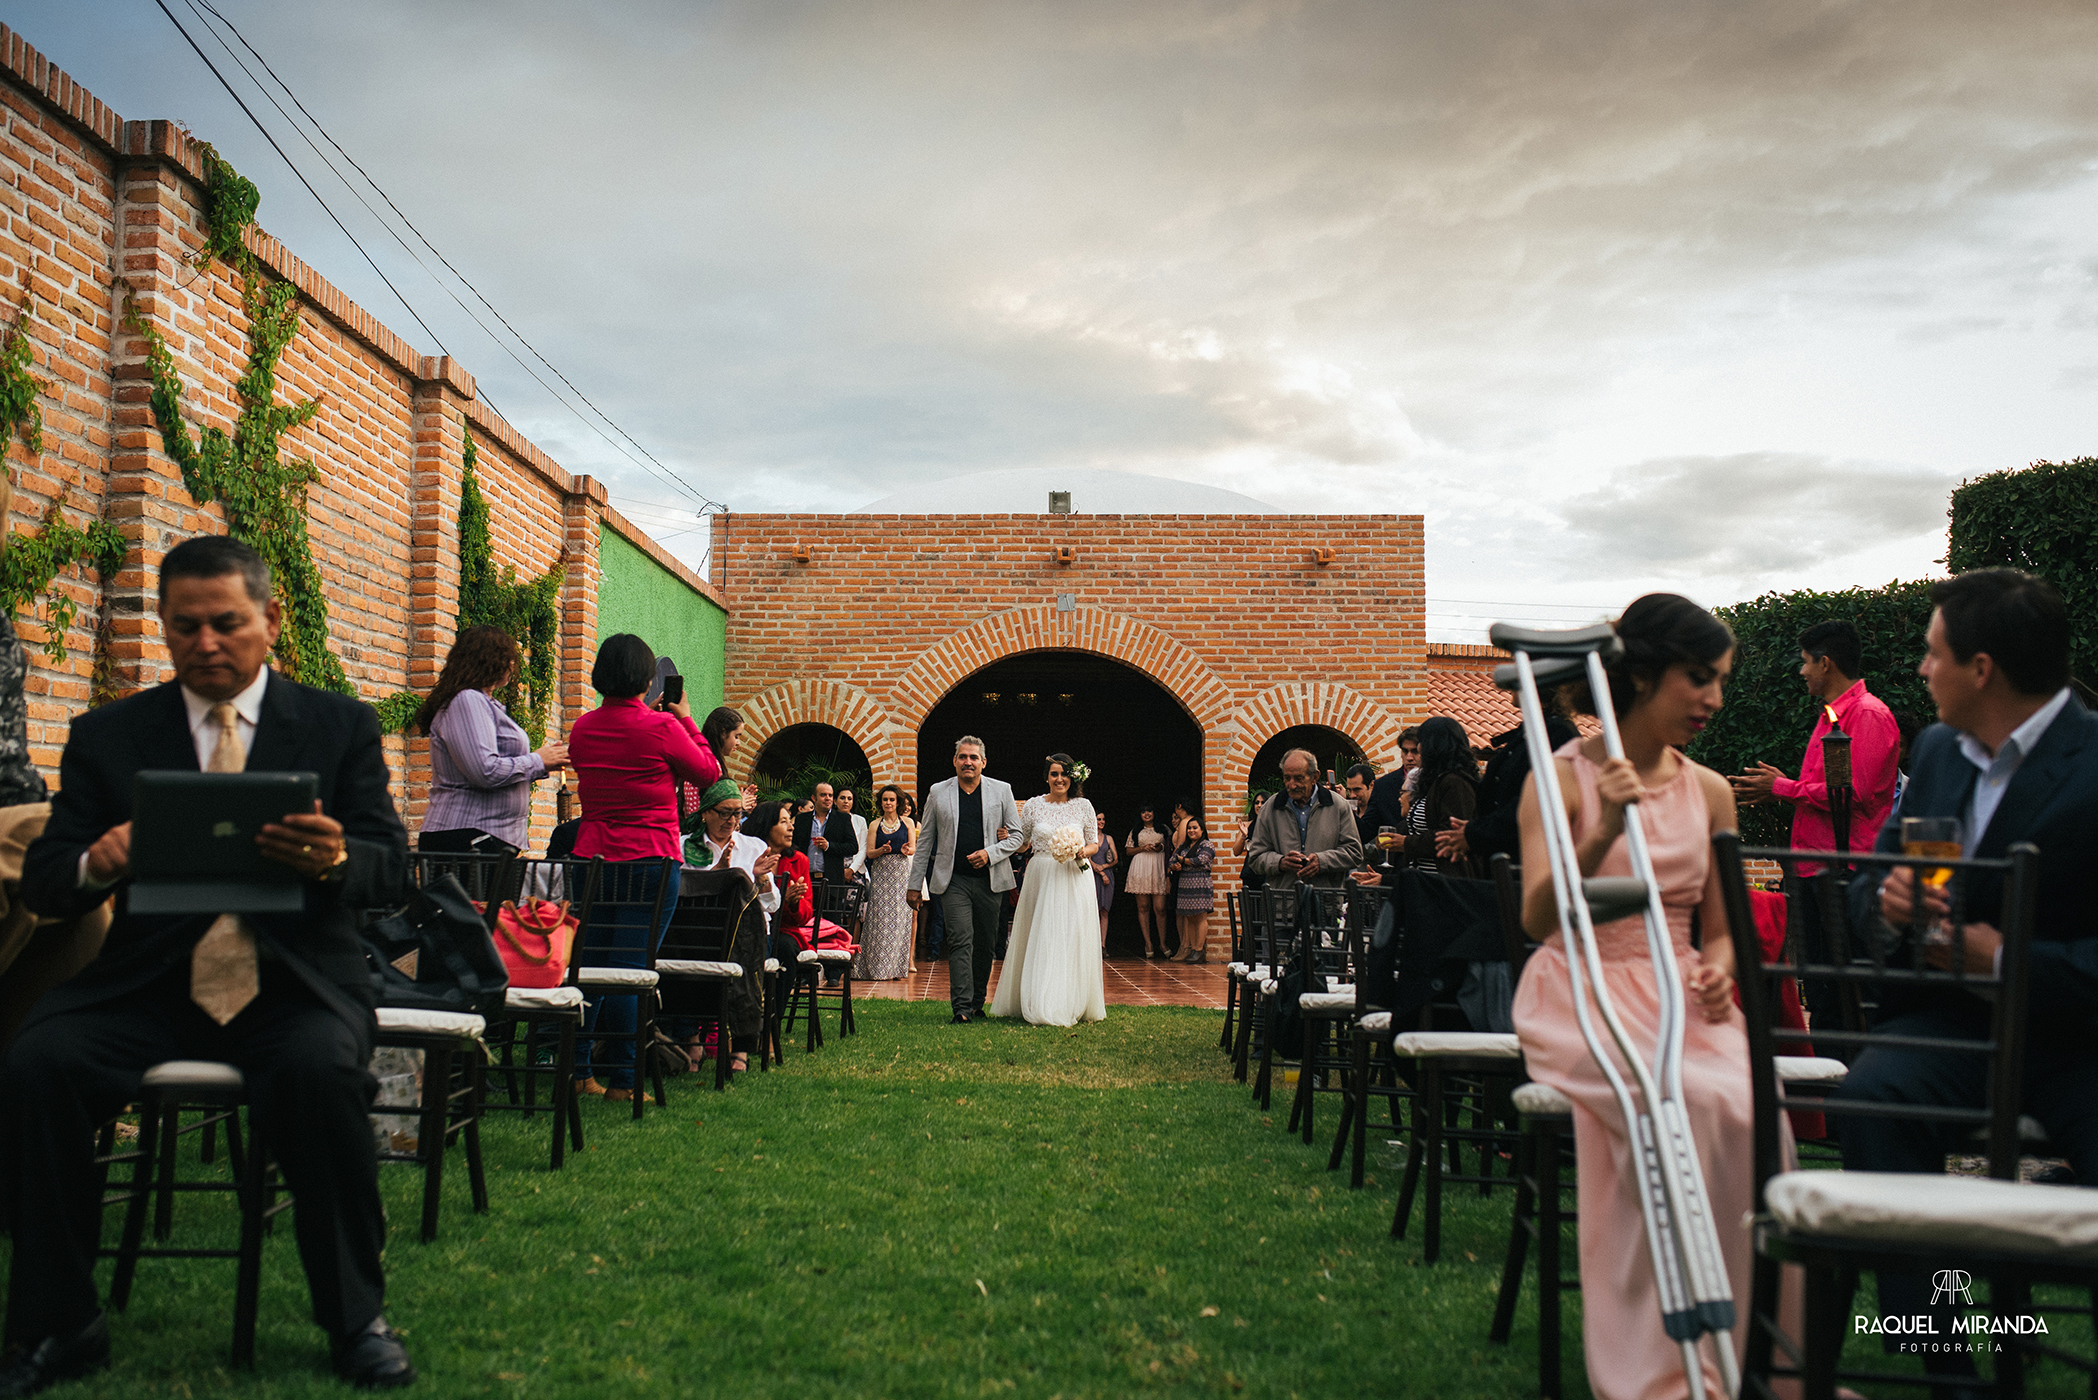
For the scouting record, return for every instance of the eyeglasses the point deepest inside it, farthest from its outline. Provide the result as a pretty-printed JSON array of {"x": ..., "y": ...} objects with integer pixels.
[{"x": 726, "y": 812}]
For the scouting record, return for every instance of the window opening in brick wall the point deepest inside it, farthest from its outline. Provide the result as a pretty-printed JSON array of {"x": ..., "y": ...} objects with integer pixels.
[
  {"x": 1335, "y": 750},
  {"x": 794, "y": 760}
]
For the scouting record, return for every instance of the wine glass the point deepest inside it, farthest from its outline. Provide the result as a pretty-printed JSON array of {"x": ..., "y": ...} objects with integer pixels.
[{"x": 1932, "y": 836}]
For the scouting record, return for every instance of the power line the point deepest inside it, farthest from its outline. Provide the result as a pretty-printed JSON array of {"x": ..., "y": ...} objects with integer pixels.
[
  {"x": 296, "y": 171},
  {"x": 663, "y": 472}
]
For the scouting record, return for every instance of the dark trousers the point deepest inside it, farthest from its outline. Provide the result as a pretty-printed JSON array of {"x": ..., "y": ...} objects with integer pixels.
[
  {"x": 2061, "y": 1090},
  {"x": 1803, "y": 895},
  {"x": 309, "y": 1092},
  {"x": 972, "y": 908}
]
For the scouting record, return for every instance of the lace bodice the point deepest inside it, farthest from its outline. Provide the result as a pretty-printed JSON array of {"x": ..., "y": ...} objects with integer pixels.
[{"x": 1039, "y": 816}]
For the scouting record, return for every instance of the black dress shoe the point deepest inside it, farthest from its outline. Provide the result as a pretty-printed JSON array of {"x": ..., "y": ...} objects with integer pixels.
[
  {"x": 56, "y": 1359},
  {"x": 374, "y": 1359},
  {"x": 960, "y": 1019}
]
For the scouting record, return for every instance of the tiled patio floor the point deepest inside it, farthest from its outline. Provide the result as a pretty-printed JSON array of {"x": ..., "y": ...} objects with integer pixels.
[{"x": 1129, "y": 982}]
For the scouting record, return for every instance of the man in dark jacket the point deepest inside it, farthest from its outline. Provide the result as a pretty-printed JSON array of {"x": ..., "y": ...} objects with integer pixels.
[
  {"x": 826, "y": 837},
  {"x": 284, "y": 997},
  {"x": 2015, "y": 758}
]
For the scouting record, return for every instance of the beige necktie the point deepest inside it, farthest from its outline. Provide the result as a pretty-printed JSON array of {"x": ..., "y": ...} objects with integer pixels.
[{"x": 223, "y": 976}]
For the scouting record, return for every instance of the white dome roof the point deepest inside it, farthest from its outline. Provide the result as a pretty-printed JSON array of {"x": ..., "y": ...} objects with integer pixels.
[{"x": 1025, "y": 491}]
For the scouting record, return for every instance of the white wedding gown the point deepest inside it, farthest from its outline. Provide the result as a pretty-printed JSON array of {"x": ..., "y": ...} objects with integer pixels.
[{"x": 1051, "y": 975}]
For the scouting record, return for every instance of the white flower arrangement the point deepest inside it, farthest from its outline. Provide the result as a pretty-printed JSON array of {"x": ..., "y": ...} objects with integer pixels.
[
  {"x": 1065, "y": 843},
  {"x": 1079, "y": 772}
]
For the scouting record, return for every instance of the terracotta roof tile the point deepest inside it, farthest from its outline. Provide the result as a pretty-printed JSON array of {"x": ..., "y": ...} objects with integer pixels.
[{"x": 1460, "y": 685}]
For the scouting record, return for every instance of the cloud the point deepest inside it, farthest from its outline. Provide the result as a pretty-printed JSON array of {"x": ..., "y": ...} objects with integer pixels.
[{"x": 1751, "y": 515}]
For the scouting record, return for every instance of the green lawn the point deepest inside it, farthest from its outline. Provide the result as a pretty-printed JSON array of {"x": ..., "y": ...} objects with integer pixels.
[{"x": 922, "y": 1210}]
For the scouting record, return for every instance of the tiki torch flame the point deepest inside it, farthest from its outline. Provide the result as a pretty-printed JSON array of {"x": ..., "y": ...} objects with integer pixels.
[{"x": 1830, "y": 711}]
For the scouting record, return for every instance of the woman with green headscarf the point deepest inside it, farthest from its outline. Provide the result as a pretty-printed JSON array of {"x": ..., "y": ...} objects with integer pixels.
[{"x": 713, "y": 842}]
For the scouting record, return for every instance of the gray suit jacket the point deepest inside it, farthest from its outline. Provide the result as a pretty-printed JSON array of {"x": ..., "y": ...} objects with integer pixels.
[{"x": 936, "y": 835}]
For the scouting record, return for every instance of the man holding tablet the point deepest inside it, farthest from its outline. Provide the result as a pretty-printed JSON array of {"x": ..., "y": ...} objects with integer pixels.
[{"x": 285, "y": 996}]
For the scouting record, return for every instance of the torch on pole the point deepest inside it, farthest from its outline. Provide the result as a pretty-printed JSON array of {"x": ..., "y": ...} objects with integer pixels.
[{"x": 1835, "y": 767}]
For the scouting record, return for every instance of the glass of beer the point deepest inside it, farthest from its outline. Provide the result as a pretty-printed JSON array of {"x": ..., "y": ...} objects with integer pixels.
[
  {"x": 1389, "y": 838},
  {"x": 1932, "y": 836}
]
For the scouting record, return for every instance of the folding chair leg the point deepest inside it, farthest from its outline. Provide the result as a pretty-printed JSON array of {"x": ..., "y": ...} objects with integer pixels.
[
  {"x": 846, "y": 1025},
  {"x": 564, "y": 1087},
  {"x": 1351, "y": 1098},
  {"x": 1549, "y": 1294},
  {"x": 1818, "y": 1378},
  {"x": 1230, "y": 1006},
  {"x": 1360, "y": 1147},
  {"x": 1264, "y": 1084},
  {"x": 135, "y": 1208},
  {"x": 1519, "y": 1225},
  {"x": 429, "y": 1145},
  {"x": 247, "y": 1288},
  {"x": 476, "y": 1090},
  {"x": 1415, "y": 1147},
  {"x": 164, "y": 1189},
  {"x": 644, "y": 1044},
  {"x": 1431, "y": 1200}
]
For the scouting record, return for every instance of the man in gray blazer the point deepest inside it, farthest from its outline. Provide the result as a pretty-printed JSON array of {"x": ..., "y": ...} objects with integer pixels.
[{"x": 970, "y": 869}]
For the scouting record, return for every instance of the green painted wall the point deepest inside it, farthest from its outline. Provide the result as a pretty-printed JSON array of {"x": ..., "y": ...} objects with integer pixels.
[{"x": 636, "y": 594}]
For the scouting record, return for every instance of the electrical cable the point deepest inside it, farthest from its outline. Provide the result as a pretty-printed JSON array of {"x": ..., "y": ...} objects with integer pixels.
[{"x": 664, "y": 472}]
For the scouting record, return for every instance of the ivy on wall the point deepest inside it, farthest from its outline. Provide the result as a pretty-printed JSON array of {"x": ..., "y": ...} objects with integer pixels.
[
  {"x": 30, "y": 563},
  {"x": 263, "y": 496},
  {"x": 527, "y": 610}
]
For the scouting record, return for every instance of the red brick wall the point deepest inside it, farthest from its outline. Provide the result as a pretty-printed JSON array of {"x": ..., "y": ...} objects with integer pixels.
[
  {"x": 94, "y": 208},
  {"x": 1229, "y": 613}
]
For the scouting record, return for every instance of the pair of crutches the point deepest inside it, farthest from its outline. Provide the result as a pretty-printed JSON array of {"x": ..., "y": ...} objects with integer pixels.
[{"x": 1681, "y": 1236}]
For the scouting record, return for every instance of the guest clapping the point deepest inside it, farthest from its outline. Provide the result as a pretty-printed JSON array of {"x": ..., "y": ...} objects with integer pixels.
[
  {"x": 482, "y": 766},
  {"x": 1195, "y": 898}
]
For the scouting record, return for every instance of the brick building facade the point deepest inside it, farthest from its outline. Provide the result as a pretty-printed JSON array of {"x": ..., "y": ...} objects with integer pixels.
[
  {"x": 1253, "y": 623},
  {"x": 95, "y": 210}
]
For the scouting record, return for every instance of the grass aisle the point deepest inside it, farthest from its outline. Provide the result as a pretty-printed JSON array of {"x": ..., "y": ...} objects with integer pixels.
[{"x": 921, "y": 1210}]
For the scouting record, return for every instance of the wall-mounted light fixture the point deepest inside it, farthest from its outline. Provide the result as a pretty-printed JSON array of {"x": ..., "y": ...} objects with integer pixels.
[
  {"x": 1059, "y": 502},
  {"x": 1066, "y": 555},
  {"x": 990, "y": 697},
  {"x": 1025, "y": 697}
]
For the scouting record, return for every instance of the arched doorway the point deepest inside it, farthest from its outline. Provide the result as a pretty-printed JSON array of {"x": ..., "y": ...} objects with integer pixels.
[
  {"x": 1335, "y": 751},
  {"x": 1142, "y": 746},
  {"x": 798, "y": 757}
]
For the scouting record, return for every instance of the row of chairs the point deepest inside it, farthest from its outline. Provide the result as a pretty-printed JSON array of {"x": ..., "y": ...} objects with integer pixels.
[
  {"x": 701, "y": 916},
  {"x": 1441, "y": 1077}
]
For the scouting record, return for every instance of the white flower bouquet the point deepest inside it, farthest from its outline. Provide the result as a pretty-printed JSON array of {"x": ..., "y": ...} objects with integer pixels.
[{"x": 1065, "y": 843}]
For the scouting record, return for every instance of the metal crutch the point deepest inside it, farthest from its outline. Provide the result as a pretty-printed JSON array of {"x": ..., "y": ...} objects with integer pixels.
[{"x": 1682, "y": 1238}]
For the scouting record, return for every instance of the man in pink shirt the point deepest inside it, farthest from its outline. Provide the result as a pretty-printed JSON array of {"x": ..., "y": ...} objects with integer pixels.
[{"x": 1830, "y": 659}]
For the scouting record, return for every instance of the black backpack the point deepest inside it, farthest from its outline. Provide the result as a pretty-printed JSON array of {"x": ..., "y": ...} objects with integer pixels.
[{"x": 434, "y": 954}]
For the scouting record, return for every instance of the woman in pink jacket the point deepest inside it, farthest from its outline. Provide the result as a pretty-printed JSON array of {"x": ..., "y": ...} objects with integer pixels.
[{"x": 628, "y": 761}]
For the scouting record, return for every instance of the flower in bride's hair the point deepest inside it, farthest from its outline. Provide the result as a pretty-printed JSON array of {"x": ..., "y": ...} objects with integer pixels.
[{"x": 1080, "y": 772}]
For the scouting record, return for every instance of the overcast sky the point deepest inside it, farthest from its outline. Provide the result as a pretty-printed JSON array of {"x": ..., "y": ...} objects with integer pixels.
[{"x": 1721, "y": 297}]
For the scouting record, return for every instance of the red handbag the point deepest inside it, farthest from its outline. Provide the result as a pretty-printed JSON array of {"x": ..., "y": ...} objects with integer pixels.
[{"x": 534, "y": 939}]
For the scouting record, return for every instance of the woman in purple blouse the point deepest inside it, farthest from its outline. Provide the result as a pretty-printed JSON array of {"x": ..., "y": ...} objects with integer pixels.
[{"x": 482, "y": 766}]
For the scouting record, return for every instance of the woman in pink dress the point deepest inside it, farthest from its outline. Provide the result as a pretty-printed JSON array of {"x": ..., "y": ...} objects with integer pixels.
[{"x": 1664, "y": 692}]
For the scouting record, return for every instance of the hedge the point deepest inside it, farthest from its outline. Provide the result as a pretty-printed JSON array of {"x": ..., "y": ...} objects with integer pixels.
[
  {"x": 2043, "y": 519},
  {"x": 1768, "y": 713}
]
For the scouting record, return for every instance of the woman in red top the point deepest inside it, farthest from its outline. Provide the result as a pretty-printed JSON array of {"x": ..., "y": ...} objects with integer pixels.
[
  {"x": 773, "y": 823},
  {"x": 628, "y": 761}
]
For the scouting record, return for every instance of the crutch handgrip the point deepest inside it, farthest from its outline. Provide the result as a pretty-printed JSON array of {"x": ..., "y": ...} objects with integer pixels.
[
  {"x": 1550, "y": 674},
  {"x": 1613, "y": 897},
  {"x": 1602, "y": 639}
]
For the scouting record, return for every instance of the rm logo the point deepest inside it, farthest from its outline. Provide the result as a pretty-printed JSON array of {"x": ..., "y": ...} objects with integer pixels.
[{"x": 1945, "y": 1283}]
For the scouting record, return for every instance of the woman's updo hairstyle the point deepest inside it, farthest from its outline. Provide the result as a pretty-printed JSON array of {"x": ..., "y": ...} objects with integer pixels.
[{"x": 1659, "y": 630}]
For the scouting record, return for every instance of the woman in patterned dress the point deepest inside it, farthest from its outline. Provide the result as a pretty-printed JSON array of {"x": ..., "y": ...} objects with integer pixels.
[
  {"x": 885, "y": 940},
  {"x": 1192, "y": 862}
]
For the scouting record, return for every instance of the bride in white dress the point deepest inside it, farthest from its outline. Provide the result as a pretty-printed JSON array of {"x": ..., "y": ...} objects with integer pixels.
[{"x": 1051, "y": 975}]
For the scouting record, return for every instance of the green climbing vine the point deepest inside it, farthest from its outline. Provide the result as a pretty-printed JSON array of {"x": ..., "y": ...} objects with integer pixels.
[
  {"x": 230, "y": 201},
  {"x": 31, "y": 562},
  {"x": 527, "y": 609},
  {"x": 263, "y": 495}
]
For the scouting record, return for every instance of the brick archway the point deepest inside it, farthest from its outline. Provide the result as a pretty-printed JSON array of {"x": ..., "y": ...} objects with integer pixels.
[
  {"x": 834, "y": 703},
  {"x": 1372, "y": 728},
  {"x": 1138, "y": 645}
]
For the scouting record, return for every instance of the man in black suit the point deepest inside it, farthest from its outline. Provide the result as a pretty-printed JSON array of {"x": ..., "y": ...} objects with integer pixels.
[
  {"x": 2015, "y": 757},
  {"x": 285, "y": 997},
  {"x": 1389, "y": 794},
  {"x": 826, "y": 837}
]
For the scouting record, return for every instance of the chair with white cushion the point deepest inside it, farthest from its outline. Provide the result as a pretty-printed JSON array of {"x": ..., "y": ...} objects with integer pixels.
[
  {"x": 1326, "y": 955},
  {"x": 630, "y": 896},
  {"x": 448, "y": 1103},
  {"x": 698, "y": 958},
  {"x": 1234, "y": 973},
  {"x": 166, "y": 1091},
  {"x": 1835, "y": 1225},
  {"x": 838, "y": 902},
  {"x": 1248, "y": 974},
  {"x": 548, "y": 1017}
]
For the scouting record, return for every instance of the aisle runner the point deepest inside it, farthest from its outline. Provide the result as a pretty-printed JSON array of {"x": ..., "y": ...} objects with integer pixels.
[{"x": 1128, "y": 982}]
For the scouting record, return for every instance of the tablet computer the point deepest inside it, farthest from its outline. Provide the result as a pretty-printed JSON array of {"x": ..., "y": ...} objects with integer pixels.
[{"x": 193, "y": 845}]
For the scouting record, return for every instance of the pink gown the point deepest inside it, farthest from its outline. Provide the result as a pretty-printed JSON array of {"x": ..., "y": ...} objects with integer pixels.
[{"x": 1629, "y": 1356}]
